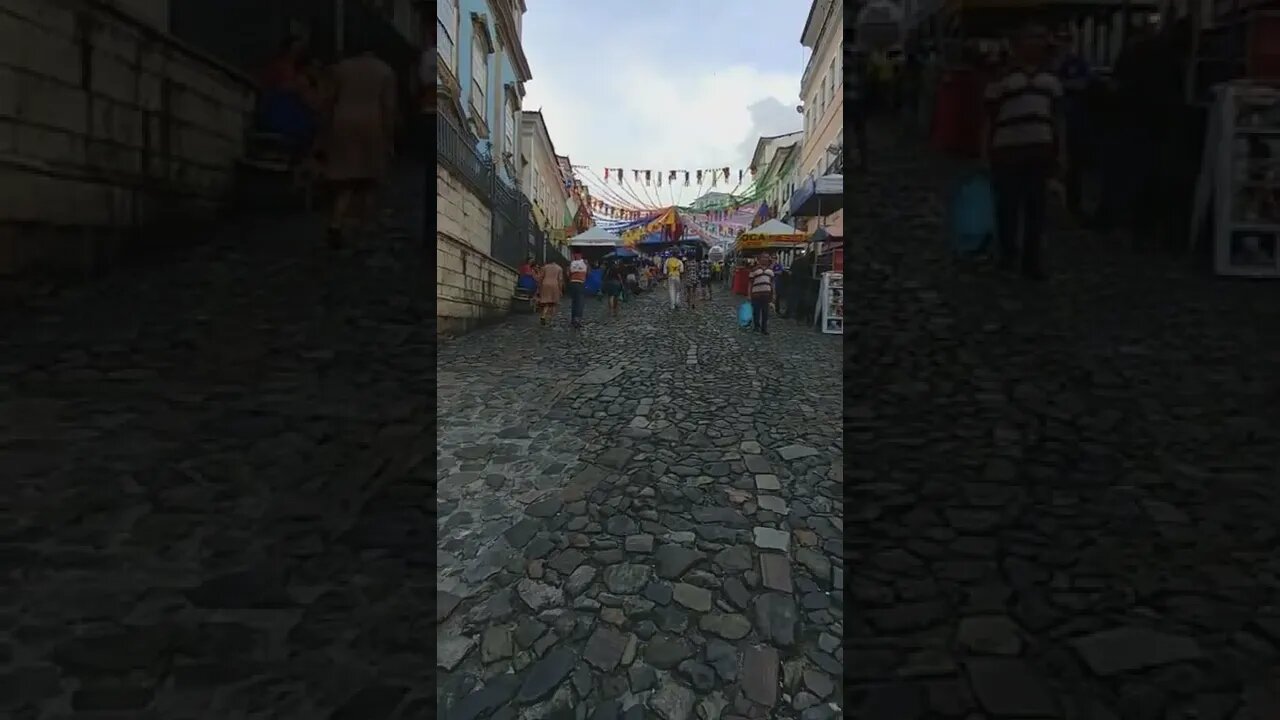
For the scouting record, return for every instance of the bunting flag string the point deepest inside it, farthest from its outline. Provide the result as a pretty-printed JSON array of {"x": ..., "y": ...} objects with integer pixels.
[
  {"x": 614, "y": 198},
  {"x": 655, "y": 178}
]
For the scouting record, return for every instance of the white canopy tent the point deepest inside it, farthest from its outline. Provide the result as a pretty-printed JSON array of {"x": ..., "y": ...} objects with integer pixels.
[
  {"x": 595, "y": 236},
  {"x": 772, "y": 227}
]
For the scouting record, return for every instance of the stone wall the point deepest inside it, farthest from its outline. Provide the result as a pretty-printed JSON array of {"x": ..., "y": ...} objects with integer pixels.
[
  {"x": 108, "y": 127},
  {"x": 471, "y": 287}
]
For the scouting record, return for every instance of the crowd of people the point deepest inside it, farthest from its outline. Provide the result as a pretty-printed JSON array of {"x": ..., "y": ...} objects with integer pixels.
[
  {"x": 687, "y": 277},
  {"x": 338, "y": 123},
  {"x": 1053, "y": 124}
]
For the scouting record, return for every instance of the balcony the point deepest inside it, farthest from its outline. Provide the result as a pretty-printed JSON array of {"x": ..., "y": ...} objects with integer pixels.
[{"x": 836, "y": 166}]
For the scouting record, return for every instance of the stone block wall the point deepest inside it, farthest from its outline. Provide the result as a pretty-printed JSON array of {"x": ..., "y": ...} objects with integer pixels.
[
  {"x": 471, "y": 287},
  {"x": 108, "y": 126}
]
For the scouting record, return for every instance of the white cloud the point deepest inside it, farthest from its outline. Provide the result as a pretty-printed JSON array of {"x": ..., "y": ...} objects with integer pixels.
[{"x": 643, "y": 119}]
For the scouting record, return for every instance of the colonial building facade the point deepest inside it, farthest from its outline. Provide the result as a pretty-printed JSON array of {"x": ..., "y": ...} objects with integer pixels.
[{"x": 822, "y": 94}]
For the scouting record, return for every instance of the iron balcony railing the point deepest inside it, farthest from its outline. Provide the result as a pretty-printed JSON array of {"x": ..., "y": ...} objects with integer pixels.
[{"x": 515, "y": 234}]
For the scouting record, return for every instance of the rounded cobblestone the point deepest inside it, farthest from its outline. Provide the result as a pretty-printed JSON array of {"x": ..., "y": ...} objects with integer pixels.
[
  {"x": 635, "y": 452},
  {"x": 1065, "y": 491}
]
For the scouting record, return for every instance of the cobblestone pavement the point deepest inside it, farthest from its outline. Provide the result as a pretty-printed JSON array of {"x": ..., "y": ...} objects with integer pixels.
[
  {"x": 205, "y": 464},
  {"x": 1064, "y": 497},
  {"x": 640, "y": 520}
]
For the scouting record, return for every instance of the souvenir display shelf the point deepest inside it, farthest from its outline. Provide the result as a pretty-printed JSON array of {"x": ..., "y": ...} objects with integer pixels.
[
  {"x": 1247, "y": 184},
  {"x": 830, "y": 315}
]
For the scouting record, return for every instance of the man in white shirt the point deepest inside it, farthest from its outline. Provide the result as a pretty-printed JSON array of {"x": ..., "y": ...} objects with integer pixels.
[{"x": 578, "y": 269}]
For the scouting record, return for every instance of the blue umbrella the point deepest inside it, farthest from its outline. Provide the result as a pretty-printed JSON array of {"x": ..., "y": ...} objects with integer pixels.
[{"x": 622, "y": 252}]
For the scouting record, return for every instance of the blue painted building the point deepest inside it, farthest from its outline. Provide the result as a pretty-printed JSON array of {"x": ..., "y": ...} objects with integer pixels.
[{"x": 489, "y": 67}]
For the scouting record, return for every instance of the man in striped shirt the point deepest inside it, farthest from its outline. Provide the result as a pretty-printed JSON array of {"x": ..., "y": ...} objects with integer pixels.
[
  {"x": 761, "y": 279},
  {"x": 1023, "y": 145}
]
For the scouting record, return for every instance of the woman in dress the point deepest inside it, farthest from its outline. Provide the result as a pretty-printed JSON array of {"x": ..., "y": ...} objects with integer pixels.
[
  {"x": 361, "y": 134},
  {"x": 550, "y": 289}
]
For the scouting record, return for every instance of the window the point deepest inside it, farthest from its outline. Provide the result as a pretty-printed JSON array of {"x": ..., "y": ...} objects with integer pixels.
[
  {"x": 509, "y": 129},
  {"x": 479, "y": 74},
  {"x": 447, "y": 33},
  {"x": 831, "y": 89}
]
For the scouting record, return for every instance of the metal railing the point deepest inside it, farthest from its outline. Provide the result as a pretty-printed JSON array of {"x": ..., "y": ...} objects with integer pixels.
[{"x": 516, "y": 236}]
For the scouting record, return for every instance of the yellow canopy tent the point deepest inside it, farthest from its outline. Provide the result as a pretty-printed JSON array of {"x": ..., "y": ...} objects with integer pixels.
[{"x": 772, "y": 234}]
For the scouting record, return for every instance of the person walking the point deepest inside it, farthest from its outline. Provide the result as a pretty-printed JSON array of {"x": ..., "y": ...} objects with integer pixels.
[
  {"x": 1023, "y": 144},
  {"x": 674, "y": 266},
  {"x": 761, "y": 284},
  {"x": 578, "y": 269},
  {"x": 550, "y": 290},
  {"x": 613, "y": 287},
  {"x": 361, "y": 136},
  {"x": 1076, "y": 76},
  {"x": 705, "y": 273},
  {"x": 527, "y": 280},
  {"x": 691, "y": 278},
  {"x": 632, "y": 281},
  {"x": 782, "y": 290}
]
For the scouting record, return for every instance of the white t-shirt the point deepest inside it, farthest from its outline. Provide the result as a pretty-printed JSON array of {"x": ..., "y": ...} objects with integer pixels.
[{"x": 577, "y": 271}]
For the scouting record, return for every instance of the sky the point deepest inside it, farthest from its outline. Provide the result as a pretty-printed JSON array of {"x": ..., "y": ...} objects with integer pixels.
[{"x": 664, "y": 84}]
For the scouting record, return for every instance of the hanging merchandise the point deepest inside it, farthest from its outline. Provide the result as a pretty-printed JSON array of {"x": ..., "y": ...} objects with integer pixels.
[
  {"x": 830, "y": 315},
  {"x": 671, "y": 179},
  {"x": 606, "y": 173},
  {"x": 686, "y": 178},
  {"x": 646, "y": 177},
  {"x": 714, "y": 175},
  {"x": 619, "y": 176},
  {"x": 699, "y": 177},
  {"x": 658, "y": 179},
  {"x": 726, "y": 174},
  {"x": 1239, "y": 187},
  {"x": 740, "y": 174},
  {"x": 635, "y": 175}
]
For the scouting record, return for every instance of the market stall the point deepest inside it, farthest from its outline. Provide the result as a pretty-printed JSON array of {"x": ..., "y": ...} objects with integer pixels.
[
  {"x": 594, "y": 244},
  {"x": 771, "y": 236},
  {"x": 1239, "y": 189},
  {"x": 827, "y": 245},
  {"x": 829, "y": 315},
  {"x": 594, "y": 239}
]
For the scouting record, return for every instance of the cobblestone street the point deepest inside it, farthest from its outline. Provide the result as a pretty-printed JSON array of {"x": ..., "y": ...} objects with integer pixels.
[
  {"x": 1063, "y": 497},
  {"x": 203, "y": 459},
  {"x": 641, "y": 519}
]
